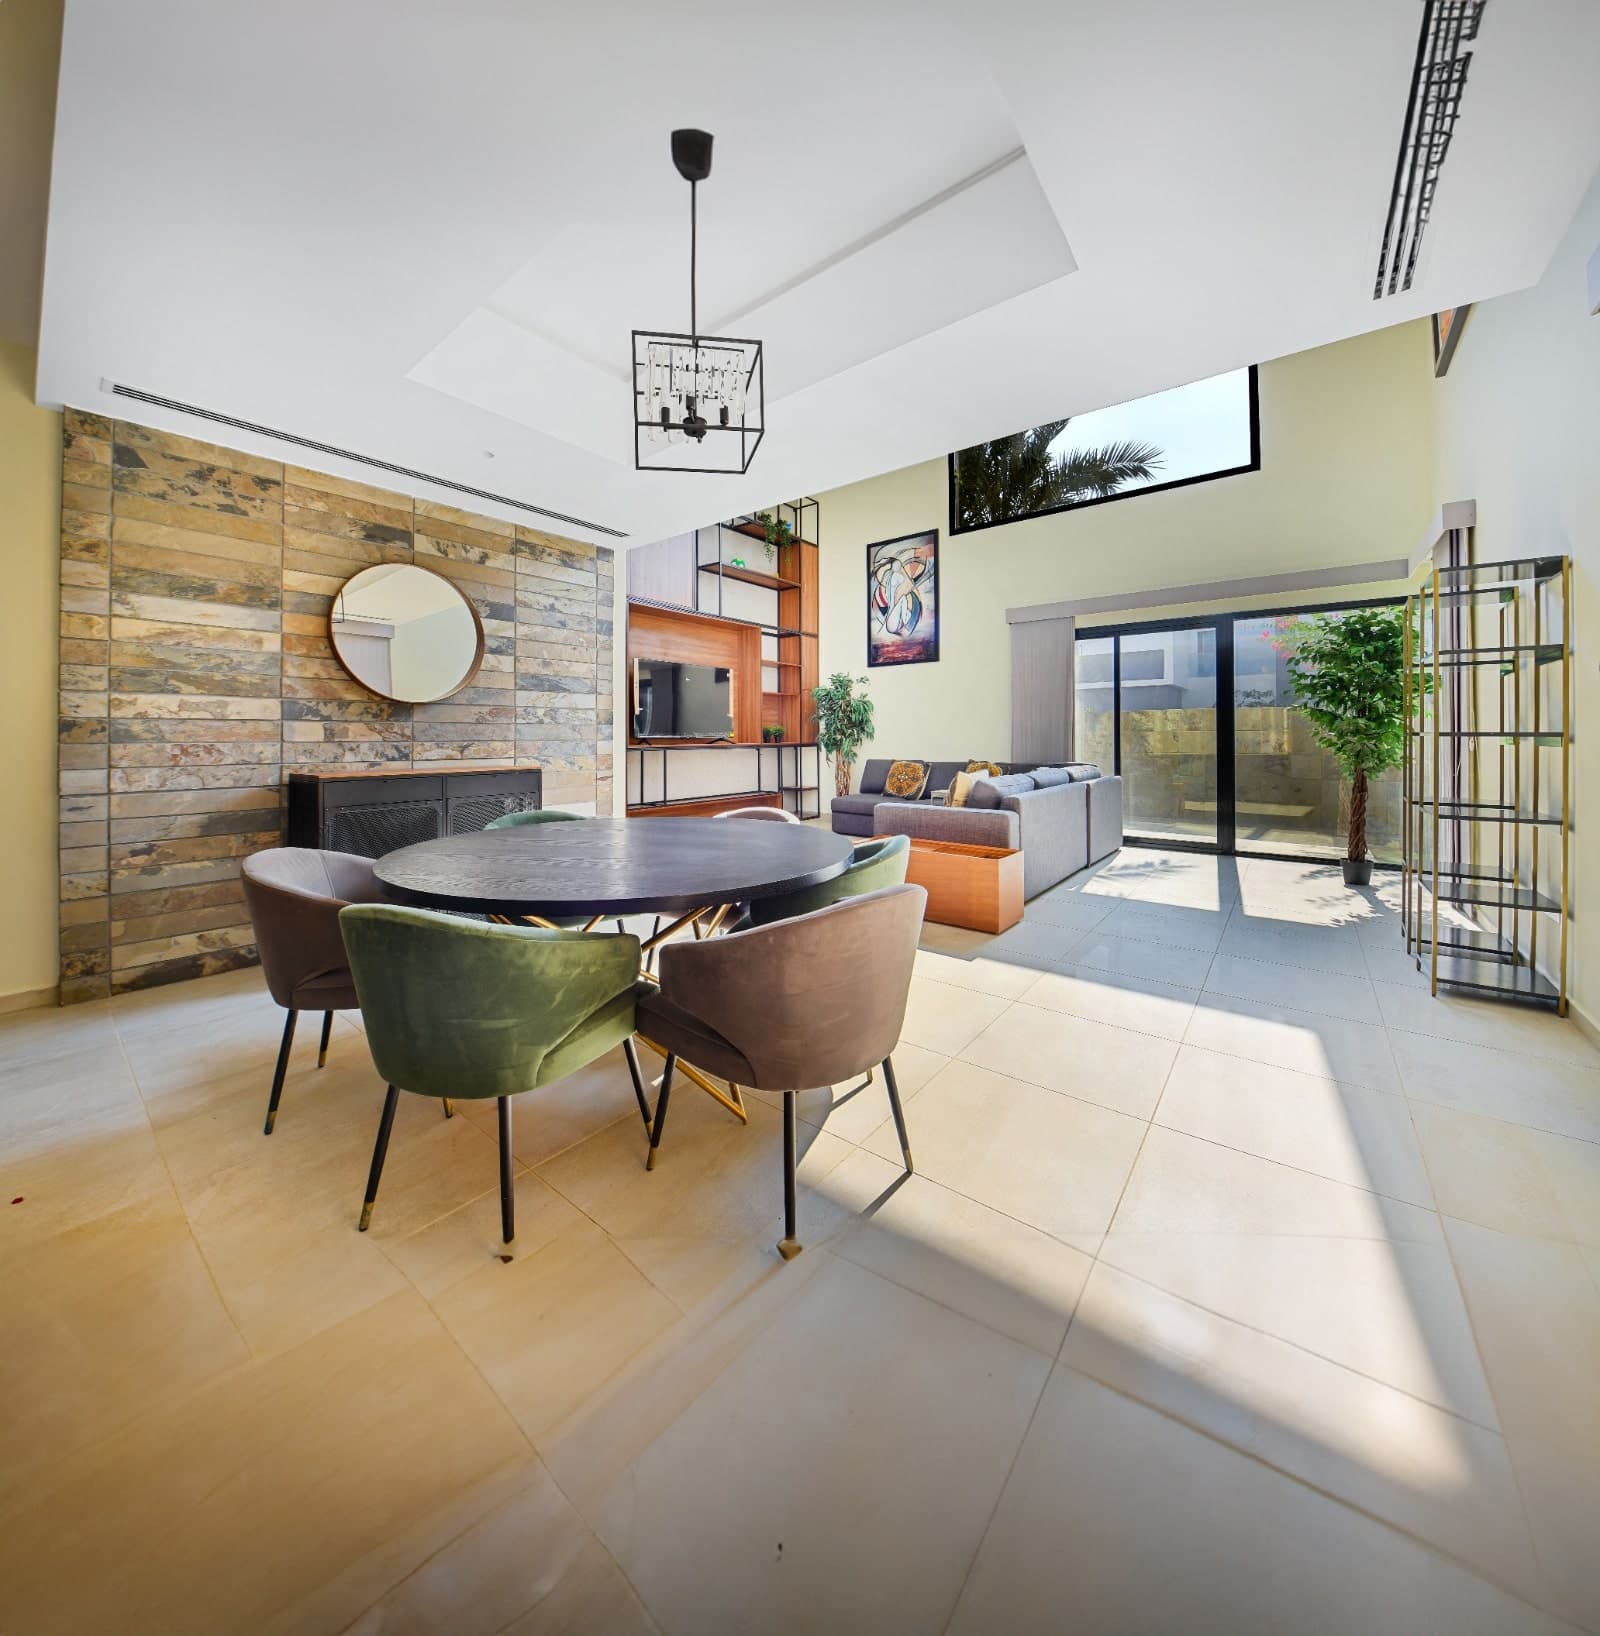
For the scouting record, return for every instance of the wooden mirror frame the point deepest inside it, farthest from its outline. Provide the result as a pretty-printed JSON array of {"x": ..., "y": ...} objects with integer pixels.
[{"x": 477, "y": 627}]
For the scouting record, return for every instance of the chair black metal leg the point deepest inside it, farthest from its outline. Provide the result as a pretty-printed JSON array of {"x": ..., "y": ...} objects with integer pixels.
[
  {"x": 897, "y": 1111},
  {"x": 788, "y": 1245},
  {"x": 327, "y": 1031},
  {"x": 282, "y": 1069},
  {"x": 508, "y": 1222},
  {"x": 631, "y": 1052},
  {"x": 379, "y": 1152},
  {"x": 661, "y": 1110}
]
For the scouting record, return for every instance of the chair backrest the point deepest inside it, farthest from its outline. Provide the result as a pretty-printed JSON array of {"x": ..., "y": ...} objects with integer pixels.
[
  {"x": 543, "y": 815},
  {"x": 294, "y": 895},
  {"x": 808, "y": 1001},
  {"x": 876, "y": 864},
  {"x": 454, "y": 1007},
  {"x": 772, "y": 815}
]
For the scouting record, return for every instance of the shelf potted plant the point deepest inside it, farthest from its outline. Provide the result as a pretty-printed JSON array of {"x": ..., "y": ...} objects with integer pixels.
[
  {"x": 1347, "y": 674},
  {"x": 776, "y": 533},
  {"x": 844, "y": 723}
]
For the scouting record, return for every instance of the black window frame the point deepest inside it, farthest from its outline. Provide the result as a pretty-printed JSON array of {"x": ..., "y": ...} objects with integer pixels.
[{"x": 1253, "y": 465}]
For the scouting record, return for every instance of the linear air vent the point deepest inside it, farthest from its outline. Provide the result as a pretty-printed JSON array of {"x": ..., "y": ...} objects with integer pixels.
[
  {"x": 360, "y": 459},
  {"x": 1438, "y": 81}
]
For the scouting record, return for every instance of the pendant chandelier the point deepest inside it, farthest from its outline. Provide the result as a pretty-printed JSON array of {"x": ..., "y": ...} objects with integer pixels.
[{"x": 699, "y": 401}]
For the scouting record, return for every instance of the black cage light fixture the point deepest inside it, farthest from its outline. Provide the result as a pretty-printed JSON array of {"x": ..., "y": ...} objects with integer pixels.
[{"x": 699, "y": 401}]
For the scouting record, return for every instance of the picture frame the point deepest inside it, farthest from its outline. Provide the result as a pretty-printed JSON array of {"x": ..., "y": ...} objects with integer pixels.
[
  {"x": 903, "y": 600},
  {"x": 1447, "y": 326}
]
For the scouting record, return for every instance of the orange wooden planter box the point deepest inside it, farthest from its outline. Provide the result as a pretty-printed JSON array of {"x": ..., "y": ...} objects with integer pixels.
[{"x": 979, "y": 887}]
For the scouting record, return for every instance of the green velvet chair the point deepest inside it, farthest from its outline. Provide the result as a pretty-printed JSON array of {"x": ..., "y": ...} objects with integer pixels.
[
  {"x": 454, "y": 1008},
  {"x": 544, "y": 815},
  {"x": 877, "y": 864}
]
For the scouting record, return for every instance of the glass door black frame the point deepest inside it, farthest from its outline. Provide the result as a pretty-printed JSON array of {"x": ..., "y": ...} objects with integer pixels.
[{"x": 1226, "y": 843}]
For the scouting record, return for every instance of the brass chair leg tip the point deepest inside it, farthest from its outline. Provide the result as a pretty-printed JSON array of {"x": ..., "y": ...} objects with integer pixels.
[
  {"x": 911, "y": 1169},
  {"x": 789, "y": 1248},
  {"x": 366, "y": 1216},
  {"x": 266, "y": 1129},
  {"x": 650, "y": 1160},
  {"x": 322, "y": 1059}
]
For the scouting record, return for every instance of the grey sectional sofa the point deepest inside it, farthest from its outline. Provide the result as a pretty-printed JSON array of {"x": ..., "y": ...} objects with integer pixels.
[{"x": 1061, "y": 824}]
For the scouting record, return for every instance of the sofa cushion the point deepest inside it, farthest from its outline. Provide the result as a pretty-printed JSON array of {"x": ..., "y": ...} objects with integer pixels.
[
  {"x": 873, "y": 774},
  {"x": 1048, "y": 777},
  {"x": 961, "y": 788},
  {"x": 855, "y": 803},
  {"x": 988, "y": 793},
  {"x": 992, "y": 768},
  {"x": 1083, "y": 771},
  {"x": 906, "y": 781},
  {"x": 941, "y": 776}
]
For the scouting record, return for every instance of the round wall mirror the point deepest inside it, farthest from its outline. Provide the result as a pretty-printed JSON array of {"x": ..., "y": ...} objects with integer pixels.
[{"x": 406, "y": 632}]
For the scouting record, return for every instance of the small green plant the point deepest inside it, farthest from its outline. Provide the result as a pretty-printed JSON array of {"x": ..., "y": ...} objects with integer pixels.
[
  {"x": 1347, "y": 671},
  {"x": 777, "y": 532},
  {"x": 844, "y": 722}
]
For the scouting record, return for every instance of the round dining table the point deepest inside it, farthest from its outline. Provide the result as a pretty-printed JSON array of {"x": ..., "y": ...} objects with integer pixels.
[{"x": 605, "y": 867}]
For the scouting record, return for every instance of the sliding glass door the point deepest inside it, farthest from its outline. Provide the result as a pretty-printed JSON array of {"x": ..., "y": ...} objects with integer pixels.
[{"x": 1198, "y": 717}]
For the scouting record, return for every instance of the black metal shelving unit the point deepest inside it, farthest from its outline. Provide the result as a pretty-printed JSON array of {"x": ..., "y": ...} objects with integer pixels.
[{"x": 1487, "y": 779}]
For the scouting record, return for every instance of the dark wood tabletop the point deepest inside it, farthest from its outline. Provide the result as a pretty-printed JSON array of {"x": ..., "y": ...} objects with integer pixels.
[{"x": 613, "y": 866}]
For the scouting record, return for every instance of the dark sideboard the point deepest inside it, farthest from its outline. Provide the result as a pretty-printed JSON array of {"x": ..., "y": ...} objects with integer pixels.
[{"x": 371, "y": 813}]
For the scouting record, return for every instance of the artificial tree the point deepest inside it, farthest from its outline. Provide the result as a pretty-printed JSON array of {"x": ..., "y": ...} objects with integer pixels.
[
  {"x": 844, "y": 722},
  {"x": 1347, "y": 670}
]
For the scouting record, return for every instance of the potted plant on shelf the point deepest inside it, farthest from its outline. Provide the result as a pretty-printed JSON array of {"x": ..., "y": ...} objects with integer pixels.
[
  {"x": 844, "y": 722},
  {"x": 1347, "y": 674},
  {"x": 776, "y": 532}
]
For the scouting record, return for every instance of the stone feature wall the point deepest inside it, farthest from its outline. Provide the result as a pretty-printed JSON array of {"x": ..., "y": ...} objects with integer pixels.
[{"x": 196, "y": 674}]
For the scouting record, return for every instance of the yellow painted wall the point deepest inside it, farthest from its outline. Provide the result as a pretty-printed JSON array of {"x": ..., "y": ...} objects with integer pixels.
[
  {"x": 1517, "y": 429},
  {"x": 30, "y": 501},
  {"x": 1346, "y": 477}
]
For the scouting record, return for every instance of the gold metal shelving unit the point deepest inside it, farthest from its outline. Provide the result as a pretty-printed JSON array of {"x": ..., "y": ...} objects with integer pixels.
[{"x": 1487, "y": 779}]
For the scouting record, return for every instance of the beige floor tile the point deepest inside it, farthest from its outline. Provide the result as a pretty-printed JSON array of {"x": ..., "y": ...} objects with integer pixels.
[
  {"x": 1174, "y": 924},
  {"x": 1141, "y": 1004},
  {"x": 1077, "y": 911},
  {"x": 942, "y": 1018},
  {"x": 1118, "y": 1518},
  {"x": 713, "y": 1201},
  {"x": 1278, "y": 983},
  {"x": 1308, "y": 947},
  {"x": 1306, "y": 1041},
  {"x": 104, "y": 1322},
  {"x": 1034, "y": 943},
  {"x": 225, "y": 1507},
  {"x": 1501, "y": 1027},
  {"x": 855, "y": 1108},
  {"x": 1364, "y": 1138},
  {"x": 987, "y": 1266},
  {"x": 507, "y": 1562},
  {"x": 1114, "y": 1067},
  {"x": 1185, "y": 1186},
  {"x": 1389, "y": 1310},
  {"x": 1139, "y": 957},
  {"x": 555, "y": 1117},
  {"x": 986, "y": 975},
  {"x": 547, "y": 1329},
  {"x": 1536, "y": 1311},
  {"x": 1509, "y": 1177},
  {"x": 1526, "y": 1090},
  {"x": 1441, "y": 1478},
  {"x": 440, "y": 1255},
  {"x": 1392, "y": 967},
  {"x": 43, "y": 1032},
  {"x": 1049, "y": 1160},
  {"x": 809, "y": 1471},
  {"x": 591, "y": 1596}
]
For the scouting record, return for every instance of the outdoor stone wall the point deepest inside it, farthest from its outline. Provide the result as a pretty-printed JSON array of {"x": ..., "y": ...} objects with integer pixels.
[{"x": 196, "y": 673}]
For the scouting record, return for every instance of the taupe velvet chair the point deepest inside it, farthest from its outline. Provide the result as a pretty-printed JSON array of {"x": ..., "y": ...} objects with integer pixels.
[
  {"x": 294, "y": 895},
  {"x": 790, "y": 1007}
]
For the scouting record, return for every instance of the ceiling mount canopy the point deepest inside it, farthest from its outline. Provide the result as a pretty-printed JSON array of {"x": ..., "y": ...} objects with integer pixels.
[{"x": 699, "y": 401}]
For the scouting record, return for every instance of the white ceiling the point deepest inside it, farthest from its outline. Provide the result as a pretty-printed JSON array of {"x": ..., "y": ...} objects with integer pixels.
[{"x": 423, "y": 230}]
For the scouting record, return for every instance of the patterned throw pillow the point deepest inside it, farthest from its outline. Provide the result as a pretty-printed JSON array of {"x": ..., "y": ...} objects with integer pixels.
[
  {"x": 906, "y": 779},
  {"x": 992, "y": 768},
  {"x": 961, "y": 788}
]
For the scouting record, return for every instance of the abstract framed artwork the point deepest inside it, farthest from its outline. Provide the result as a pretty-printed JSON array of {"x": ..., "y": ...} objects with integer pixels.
[
  {"x": 903, "y": 600},
  {"x": 1447, "y": 335}
]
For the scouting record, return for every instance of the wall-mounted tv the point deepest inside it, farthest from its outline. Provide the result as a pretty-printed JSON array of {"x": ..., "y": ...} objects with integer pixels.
[{"x": 672, "y": 700}]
